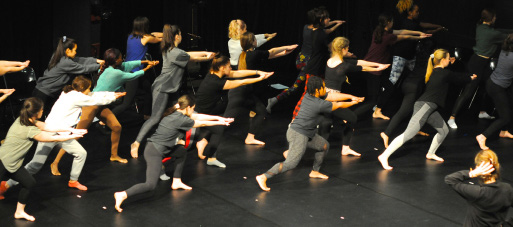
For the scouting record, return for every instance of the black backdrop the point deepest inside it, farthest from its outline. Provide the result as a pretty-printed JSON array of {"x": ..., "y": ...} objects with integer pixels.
[{"x": 31, "y": 28}]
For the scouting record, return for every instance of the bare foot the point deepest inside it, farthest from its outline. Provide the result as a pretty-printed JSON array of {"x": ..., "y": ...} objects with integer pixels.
[
  {"x": 385, "y": 139},
  {"x": 254, "y": 142},
  {"x": 505, "y": 134},
  {"x": 421, "y": 133},
  {"x": 434, "y": 157},
  {"x": 118, "y": 159},
  {"x": 119, "y": 197},
  {"x": 378, "y": 114},
  {"x": 481, "y": 140},
  {"x": 55, "y": 169},
  {"x": 261, "y": 179},
  {"x": 285, "y": 154},
  {"x": 200, "y": 146},
  {"x": 346, "y": 150},
  {"x": 384, "y": 163},
  {"x": 252, "y": 114},
  {"x": 178, "y": 184},
  {"x": 315, "y": 174},
  {"x": 23, "y": 215},
  {"x": 134, "y": 149}
]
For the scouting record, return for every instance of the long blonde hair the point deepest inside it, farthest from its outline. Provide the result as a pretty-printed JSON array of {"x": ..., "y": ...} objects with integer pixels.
[
  {"x": 490, "y": 157},
  {"x": 434, "y": 60},
  {"x": 337, "y": 45},
  {"x": 235, "y": 27}
]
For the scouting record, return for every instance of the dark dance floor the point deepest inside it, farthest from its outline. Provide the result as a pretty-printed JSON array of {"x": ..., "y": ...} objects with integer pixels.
[{"x": 358, "y": 193}]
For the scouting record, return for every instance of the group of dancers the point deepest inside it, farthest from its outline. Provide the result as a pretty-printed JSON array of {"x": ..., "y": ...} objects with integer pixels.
[{"x": 235, "y": 87}]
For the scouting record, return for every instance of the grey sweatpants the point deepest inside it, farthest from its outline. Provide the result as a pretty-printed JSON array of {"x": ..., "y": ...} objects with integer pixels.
[
  {"x": 43, "y": 150},
  {"x": 297, "y": 147},
  {"x": 423, "y": 112}
]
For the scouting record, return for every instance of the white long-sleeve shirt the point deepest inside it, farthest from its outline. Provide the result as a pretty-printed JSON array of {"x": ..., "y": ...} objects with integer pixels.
[
  {"x": 236, "y": 49},
  {"x": 67, "y": 109}
]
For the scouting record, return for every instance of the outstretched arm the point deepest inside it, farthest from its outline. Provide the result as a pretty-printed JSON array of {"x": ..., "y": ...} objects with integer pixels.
[
  {"x": 231, "y": 84},
  {"x": 47, "y": 137},
  {"x": 281, "y": 51},
  {"x": 12, "y": 66},
  {"x": 337, "y": 105},
  {"x": 199, "y": 56},
  {"x": 6, "y": 92},
  {"x": 335, "y": 23}
]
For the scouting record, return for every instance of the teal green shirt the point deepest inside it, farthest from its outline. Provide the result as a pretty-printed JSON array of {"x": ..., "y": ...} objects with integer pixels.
[
  {"x": 487, "y": 39},
  {"x": 112, "y": 79}
]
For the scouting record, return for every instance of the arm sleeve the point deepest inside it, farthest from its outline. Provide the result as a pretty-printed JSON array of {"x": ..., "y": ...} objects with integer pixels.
[
  {"x": 187, "y": 124},
  {"x": 467, "y": 191},
  {"x": 326, "y": 107},
  {"x": 85, "y": 61},
  {"x": 33, "y": 131},
  {"x": 182, "y": 59},
  {"x": 260, "y": 38},
  {"x": 73, "y": 67},
  {"x": 129, "y": 65},
  {"x": 95, "y": 99},
  {"x": 351, "y": 68},
  {"x": 125, "y": 76}
]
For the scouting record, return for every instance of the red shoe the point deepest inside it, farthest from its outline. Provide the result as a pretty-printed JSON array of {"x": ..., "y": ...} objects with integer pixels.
[
  {"x": 3, "y": 189},
  {"x": 77, "y": 185}
]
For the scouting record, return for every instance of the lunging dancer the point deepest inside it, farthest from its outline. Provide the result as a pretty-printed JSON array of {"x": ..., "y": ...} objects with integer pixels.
[{"x": 437, "y": 85}]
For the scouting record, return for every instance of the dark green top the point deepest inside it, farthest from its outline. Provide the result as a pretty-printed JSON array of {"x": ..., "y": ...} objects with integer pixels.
[{"x": 487, "y": 39}]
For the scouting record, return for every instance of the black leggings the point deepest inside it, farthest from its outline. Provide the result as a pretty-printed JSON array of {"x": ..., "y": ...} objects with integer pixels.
[
  {"x": 411, "y": 92},
  {"x": 502, "y": 101},
  {"x": 23, "y": 177},
  {"x": 481, "y": 67},
  {"x": 335, "y": 118},
  {"x": 153, "y": 159},
  {"x": 373, "y": 82},
  {"x": 240, "y": 101}
]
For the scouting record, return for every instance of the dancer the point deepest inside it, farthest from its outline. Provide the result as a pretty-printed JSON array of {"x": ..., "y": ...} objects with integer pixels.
[
  {"x": 113, "y": 74},
  {"x": 487, "y": 40},
  {"x": 380, "y": 51},
  {"x": 250, "y": 97},
  {"x": 490, "y": 200},
  {"x": 136, "y": 49},
  {"x": 175, "y": 122},
  {"x": 497, "y": 86},
  {"x": 165, "y": 87},
  {"x": 211, "y": 99},
  {"x": 235, "y": 30},
  {"x": 22, "y": 133},
  {"x": 12, "y": 66},
  {"x": 303, "y": 57},
  {"x": 437, "y": 86},
  {"x": 336, "y": 70},
  {"x": 301, "y": 133},
  {"x": 63, "y": 64},
  {"x": 66, "y": 113}
]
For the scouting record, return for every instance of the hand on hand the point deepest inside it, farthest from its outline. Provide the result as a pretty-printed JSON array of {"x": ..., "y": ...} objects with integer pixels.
[
  {"x": 99, "y": 61},
  {"x": 265, "y": 75},
  {"x": 78, "y": 131},
  {"x": 473, "y": 77},
  {"x": 485, "y": 168},
  {"x": 7, "y": 91},
  {"x": 270, "y": 36},
  {"x": 119, "y": 94}
]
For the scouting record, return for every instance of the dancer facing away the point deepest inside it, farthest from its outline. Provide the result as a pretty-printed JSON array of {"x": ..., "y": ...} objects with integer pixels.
[
  {"x": 66, "y": 113},
  {"x": 301, "y": 133},
  {"x": 235, "y": 30},
  {"x": 113, "y": 74},
  {"x": 490, "y": 200},
  {"x": 136, "y": 48},
  {"x": 165, "y": 87},
  {"x": 20, "y": 137},
  {"x": 380, "y": 51},
  {"x": 336, "y": 74},
  {"x": 497, "y": 86},
  {"x": 211, "y": 99},
  {"x": 63, "y": 64},
  {"x": 487, "y": 41},
  {"x": 249, "y": 97},
  {"x": 303, "y": 57},
  {"x": 175, "y": 122},
  {"x": 425, "y": 109}
]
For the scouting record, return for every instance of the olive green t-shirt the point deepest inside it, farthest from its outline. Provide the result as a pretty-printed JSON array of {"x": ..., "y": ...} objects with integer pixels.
[{"x": 18, "y": 141}]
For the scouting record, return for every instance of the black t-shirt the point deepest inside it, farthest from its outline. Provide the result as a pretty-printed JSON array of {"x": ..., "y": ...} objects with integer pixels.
[
  {"x": 406, "y": 48},
  {"x": 210, "y": 96},
  {"x": 256, "y": 59},
  {"x": 336, "y": 76},
  {"x": 438, "y": 85},
  {"x": 171, "y": 129},
  {"x": 320, "y": 54},
  {"x": 309, "y": 117}
]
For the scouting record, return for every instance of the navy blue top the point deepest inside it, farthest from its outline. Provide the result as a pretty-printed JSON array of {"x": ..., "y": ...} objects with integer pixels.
[{"x": 135, "y": 50}]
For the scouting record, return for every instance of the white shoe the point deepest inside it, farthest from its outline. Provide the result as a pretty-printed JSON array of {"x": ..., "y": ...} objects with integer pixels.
[
  {"x": 485, "y": 115},
  {"x": 216, "y": 163},
  {"x": 452, "y": 124}
]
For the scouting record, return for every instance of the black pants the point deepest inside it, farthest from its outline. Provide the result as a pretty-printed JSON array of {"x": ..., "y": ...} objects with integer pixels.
[
  {"x": 481, "y": 67},
  {"x": 336, "y": 118},
  {"x": 240, "y": 101},
  {"x": 23, "y": 177},
  {"x": 153, "y": 159},
  {"x": 411, "y": 90},
  {"x": 502, "y": 101},
  {"x": 373, "y": 87},
  {"x": 47, "y": 100}
]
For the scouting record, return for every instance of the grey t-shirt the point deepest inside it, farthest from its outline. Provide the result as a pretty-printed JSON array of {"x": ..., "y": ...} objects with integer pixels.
[
  {"x": 503, "y": 74},
  {"x": 171, "y": 129},
  {"x": 18, "y": 141},
  {"x": 308, "y": 117},
  {"x": 173, "y": 68}
]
